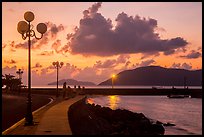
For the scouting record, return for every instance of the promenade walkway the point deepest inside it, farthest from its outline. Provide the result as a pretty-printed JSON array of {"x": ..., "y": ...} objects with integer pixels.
[{"x": 51, "y": 120}]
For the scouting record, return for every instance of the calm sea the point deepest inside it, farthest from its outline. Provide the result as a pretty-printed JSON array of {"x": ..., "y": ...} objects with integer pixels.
[
  {"x": 185, "y": 113},
  {"x": 146, "y": 87}
]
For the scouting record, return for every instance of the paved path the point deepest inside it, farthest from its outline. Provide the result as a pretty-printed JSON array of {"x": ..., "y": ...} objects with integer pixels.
[
  {"x": 55, "y": 120},
  {"x": 51, "y": 120}
]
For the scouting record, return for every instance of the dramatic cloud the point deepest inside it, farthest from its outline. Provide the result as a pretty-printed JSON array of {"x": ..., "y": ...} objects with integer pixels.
[
  {"x": 46, "y": 53},
  {"x": 182, "y": 66},
  {"x": 97, "y": 36},
  {"x": 9, "y": 70},
  {"x": 10, "y": 61},
  {"x": 112, "y": 63},
  {"x": 147, "y": 55},
  {"x": 105, "y": 64},
  {"x": 56, "y": 45},
  {"x": 54, "y": 29},
  {"x": 145, "y": 63},
  {"x": 192, "y": 55},
  {"x": 186, "y": 66},
  {"x": 37, "y": 65},
  {"x": 169, "y": 52}
]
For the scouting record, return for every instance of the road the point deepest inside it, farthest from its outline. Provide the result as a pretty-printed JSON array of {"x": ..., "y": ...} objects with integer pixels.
[{"x": 14, "y": 107}]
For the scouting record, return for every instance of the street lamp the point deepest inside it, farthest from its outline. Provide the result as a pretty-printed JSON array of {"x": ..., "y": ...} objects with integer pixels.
[
  {"x": 26, "y": 30},
  {"x": 113, "y": 76},
  {"x": 57, "y": 66}
]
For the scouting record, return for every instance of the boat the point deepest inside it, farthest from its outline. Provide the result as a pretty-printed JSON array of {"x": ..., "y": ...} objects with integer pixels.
[{"x": 176, "y": 96}]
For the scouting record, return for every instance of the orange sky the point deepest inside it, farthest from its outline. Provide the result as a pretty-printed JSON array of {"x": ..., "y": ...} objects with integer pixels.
[{"x": 174, "y": 20}]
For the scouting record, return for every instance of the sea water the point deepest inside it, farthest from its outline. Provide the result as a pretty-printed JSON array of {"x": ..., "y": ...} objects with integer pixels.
[{"x": 185, "y": 113}]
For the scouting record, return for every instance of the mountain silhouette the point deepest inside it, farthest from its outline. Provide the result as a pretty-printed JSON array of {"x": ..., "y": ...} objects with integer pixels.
[
  {"x": 72, "y": 82},
  {"x": 157, "y": 76}
]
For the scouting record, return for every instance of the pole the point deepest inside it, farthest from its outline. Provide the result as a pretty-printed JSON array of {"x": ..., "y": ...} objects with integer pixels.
[
  {"x": 29, "y": 116},
  {"x": 184, "y": 82},
  {"x": 57, "y": 78},
  {"x": 112, "y": 82}
]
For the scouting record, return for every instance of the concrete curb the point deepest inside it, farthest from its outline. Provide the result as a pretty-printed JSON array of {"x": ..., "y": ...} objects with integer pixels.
[{"x": 5, "y": 132}]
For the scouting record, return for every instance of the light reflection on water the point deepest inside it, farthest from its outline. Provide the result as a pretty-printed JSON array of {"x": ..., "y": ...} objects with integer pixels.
[
  {"x": 113, "y": 101},
  {"x": 186, "y": 113}
]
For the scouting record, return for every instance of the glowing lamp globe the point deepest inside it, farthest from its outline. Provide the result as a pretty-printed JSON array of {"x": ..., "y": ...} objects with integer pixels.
[
  {"x": 53, "y": 63},
  {"x": 61, "y": 63},
  {"x": 41, "y": 28},
  {"x": 29, "y": 16},
  {"x": 22, "y": 27}
]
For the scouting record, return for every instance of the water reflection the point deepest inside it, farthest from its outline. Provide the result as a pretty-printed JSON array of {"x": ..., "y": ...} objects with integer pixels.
[
  {"x": 90, "y": 100},
  {"x": 113, "y": 101}
]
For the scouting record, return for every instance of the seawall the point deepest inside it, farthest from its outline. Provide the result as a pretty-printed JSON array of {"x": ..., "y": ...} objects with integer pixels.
[{"x": 128, "y": 91}]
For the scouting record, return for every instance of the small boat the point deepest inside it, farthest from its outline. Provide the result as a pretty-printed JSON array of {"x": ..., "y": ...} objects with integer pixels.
[{"x": 176, "y": 96}]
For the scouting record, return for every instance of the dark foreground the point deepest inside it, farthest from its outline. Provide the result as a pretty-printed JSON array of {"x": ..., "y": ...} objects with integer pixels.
[
  {"x": 14, "y": 107},
  {"x": 87, "y": 119}
]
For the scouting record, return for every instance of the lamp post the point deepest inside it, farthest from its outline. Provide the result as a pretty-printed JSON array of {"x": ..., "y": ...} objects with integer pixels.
[
  {"x": 57, "y": 65},
  {"x": 113, "y": 76},
  {"x": 26, "y": 30}
]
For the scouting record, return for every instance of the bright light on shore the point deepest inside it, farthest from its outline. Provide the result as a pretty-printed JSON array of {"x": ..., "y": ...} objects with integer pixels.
[{"x": 113, "y": 76}]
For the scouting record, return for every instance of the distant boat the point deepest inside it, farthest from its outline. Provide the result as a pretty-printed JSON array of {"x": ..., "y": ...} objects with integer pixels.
[
  {"x": 154, "y": 87},
  {"x": 177, "y": 96}
]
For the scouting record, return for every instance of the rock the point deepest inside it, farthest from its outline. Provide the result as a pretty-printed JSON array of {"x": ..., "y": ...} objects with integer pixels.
[
  {"x": 158, "y": 129},
  {"x": 158, "y": 122},
  {"x": 105, "y": 121}
]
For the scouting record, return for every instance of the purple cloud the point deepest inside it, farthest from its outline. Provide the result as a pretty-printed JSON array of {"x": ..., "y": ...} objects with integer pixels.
[
  {"x": 96, "y": 35},
  {"x": 111, "y": 63},
  {"x": 192, "y": 55},
  {"x": 37, "y": 65},
  {"x": 181, "y": 66},
  {"x": 46, "y": 53},
  {"x": 145, "y": 63}
]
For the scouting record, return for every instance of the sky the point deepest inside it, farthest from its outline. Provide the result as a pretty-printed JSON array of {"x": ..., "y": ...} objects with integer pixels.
[{"x": 96, "y": 40}]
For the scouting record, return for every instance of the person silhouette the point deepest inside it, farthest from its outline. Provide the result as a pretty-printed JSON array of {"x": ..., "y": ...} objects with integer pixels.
[{"x": 64, "y": 89}]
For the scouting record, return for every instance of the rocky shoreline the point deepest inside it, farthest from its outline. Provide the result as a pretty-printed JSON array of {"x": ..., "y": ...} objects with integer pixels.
[{"x": 91, "y": 119}]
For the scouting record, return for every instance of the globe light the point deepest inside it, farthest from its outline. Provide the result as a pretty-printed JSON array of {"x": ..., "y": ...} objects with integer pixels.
[
  {"x": 22, "y": 27},
  {"x": 57, "y": 62},
  {"x": 41, "y": 28},
  {"x": 61, "y": 63},
  {"x": 53, "y": 63},
  {"x": 29, "y": 16}
]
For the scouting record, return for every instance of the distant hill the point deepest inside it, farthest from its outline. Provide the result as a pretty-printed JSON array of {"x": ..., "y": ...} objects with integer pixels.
[
  {"x": 72, "y": 82},
  {"x": 157, "y": 76}
]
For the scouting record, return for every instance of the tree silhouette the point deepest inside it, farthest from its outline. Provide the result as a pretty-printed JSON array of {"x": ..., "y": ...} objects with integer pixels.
[{"x": 11, "y": 83}]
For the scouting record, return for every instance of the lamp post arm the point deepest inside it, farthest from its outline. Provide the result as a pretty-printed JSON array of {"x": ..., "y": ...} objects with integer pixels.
[
  {"x": 24, "y": 36},
  {"x": 33, "y": 34}
]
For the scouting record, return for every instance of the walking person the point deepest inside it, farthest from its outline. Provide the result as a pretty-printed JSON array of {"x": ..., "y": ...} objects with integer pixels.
[{"x": 64, "y": 89}]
